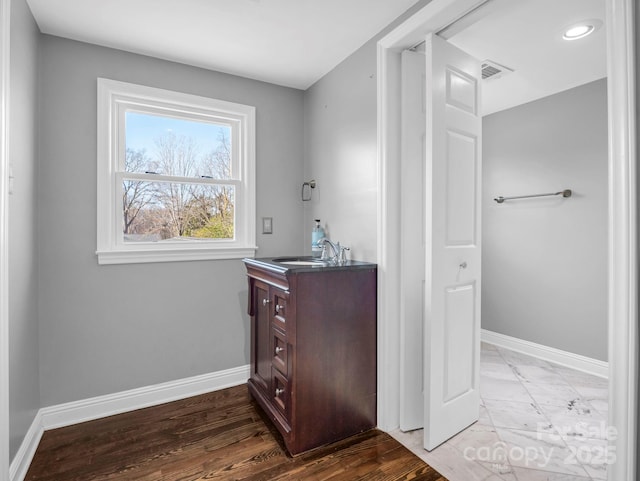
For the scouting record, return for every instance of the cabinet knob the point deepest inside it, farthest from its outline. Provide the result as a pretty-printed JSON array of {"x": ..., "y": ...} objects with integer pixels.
[
  {"x": 265, "y": 302},
  {"x": 278, "y": 307},
  {"x": 279, "y": 349},
  {"x": 279, "y": 391}
]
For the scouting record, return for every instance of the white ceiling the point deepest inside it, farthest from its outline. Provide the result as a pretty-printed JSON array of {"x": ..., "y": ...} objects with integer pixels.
[
  {"x": 295, "y": 42},
  {"x": 526, "y": 36},
  {"x": 286, "y": 42}
]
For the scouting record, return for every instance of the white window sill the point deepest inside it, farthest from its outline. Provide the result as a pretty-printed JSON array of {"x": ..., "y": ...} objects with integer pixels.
[{"x": 173, "y": 255}]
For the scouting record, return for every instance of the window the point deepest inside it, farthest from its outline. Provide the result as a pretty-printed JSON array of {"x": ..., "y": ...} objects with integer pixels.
[{"x": 176, "y": 176}]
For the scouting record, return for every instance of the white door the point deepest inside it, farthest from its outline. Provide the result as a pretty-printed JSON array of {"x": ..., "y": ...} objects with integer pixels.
[
  {"x": 413, "y": 125},
  {"x": 452, "y": 212}
]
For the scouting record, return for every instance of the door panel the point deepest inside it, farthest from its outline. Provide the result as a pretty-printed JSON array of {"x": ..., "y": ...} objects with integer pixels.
[
  {"x": 462, "y": 90},
  {"x": 413, "y": 125},
  {"x": 461, "y": 180},
  {"x": 458, "y": 322},
  {"x": 452, "y": 225}
]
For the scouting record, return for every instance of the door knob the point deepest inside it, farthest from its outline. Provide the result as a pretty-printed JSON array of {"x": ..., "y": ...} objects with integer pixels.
[{"x": 462, "y": 265}]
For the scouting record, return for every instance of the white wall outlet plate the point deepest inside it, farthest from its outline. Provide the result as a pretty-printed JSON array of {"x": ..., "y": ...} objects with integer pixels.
[{"x": 267, "y": 225}]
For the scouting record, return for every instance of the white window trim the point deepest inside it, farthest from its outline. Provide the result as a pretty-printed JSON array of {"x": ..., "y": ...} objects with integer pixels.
[{"x": 112, "y": 95}]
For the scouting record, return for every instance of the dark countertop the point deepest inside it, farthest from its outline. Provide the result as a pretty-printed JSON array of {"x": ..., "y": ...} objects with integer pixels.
[{"x": 275, "y": 264}]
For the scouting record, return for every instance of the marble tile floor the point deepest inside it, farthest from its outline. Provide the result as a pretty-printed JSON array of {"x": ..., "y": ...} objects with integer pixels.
[{"x": 538, "y": 422}]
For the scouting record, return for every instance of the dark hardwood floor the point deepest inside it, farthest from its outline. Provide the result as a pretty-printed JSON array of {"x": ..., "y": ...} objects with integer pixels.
[{"x": 216, "y": 436}]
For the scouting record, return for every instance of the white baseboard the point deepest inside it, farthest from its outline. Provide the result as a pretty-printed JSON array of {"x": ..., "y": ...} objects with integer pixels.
[
  {"x": 66, "y": 414},
  {"x": 557, "y": 356},
  {"x": 110, "y": 404},
  {"x": 20, "y": 464}
]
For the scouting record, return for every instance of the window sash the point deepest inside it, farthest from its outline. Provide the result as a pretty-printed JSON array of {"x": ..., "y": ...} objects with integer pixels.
[
  {"x": 233, "y": 122},
  {"x": 120, "y": 176},
  {"x": 118, "y": 233}
]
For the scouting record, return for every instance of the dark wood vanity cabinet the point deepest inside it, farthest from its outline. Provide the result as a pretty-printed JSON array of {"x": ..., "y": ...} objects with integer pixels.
[{"x": 313, "y": 350}]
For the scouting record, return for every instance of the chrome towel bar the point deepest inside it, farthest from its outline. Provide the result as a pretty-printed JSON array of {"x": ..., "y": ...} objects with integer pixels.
[{"x": 563, "y": 193}]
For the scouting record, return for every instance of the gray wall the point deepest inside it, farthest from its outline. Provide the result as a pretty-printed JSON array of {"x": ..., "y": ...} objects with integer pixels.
[
  {"x": 340, "y": 154},
  {"x": 24, "y": 396},
  {"x": 341, "y": 150},
  {"x": 544, "y": 261},
  {"x": 105, "y": 329}
]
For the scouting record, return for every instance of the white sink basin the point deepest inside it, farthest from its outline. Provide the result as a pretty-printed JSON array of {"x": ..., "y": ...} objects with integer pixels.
[
  {"x": 300, "y": 261},
  {"x": 304, "y": 263}
]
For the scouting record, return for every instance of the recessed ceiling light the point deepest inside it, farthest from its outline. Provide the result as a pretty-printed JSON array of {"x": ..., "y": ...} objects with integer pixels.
[{"x": 581, "y": 29}]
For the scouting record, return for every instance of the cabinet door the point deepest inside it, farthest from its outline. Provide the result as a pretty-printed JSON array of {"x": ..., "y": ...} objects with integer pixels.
[{"x": 261, "y": 336}]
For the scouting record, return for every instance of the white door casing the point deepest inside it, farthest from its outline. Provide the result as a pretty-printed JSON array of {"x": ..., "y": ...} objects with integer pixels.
[
  {"x": 412, "y": 252},
  {"x": 453, "y": 255},
  {"x": 5, "y": 18}
]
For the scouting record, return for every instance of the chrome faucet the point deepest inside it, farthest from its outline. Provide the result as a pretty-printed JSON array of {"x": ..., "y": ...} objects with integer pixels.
[
  {"x": 334, "y": 247},
  {"x": 339, "y": 256}
]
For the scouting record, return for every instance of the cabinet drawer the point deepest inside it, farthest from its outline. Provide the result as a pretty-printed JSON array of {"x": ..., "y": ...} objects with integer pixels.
[
  {"x": 280, "y": 351},
  {"x": 280, "y": 394},
  {"x": 280, "y": 306}
]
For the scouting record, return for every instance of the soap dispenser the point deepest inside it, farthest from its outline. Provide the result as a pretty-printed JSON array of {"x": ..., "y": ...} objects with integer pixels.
[{"x": 316, "y": 235}]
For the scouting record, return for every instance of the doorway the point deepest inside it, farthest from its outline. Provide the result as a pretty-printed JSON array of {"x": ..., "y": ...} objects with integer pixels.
[
  {"x": 621, "y": 315},
  {"x": 545, "y": 129}
]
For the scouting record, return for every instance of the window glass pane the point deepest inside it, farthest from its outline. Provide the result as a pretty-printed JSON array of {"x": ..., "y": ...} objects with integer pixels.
[
  {"x": 170, "y": 146},
  {"x": 160, "y": 211}
]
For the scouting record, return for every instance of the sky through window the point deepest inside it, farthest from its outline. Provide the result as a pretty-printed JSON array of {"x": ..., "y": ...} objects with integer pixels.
[{"x": 142, "y": 131}]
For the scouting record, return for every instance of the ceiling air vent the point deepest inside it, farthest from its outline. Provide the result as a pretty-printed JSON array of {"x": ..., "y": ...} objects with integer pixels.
[{"x": 493, "y": 70}]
